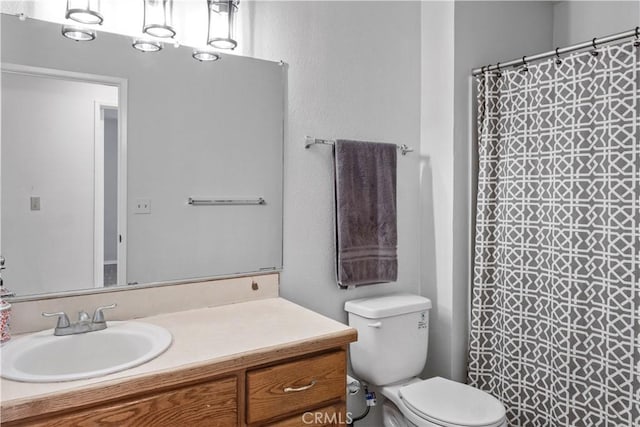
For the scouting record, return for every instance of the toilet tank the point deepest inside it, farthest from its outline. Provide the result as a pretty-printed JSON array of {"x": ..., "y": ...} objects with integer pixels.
[{"x": 393, "y": 337}]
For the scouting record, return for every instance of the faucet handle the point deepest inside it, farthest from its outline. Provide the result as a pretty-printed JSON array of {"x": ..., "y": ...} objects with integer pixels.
[
  {"x": 98, "y": 316},
  {"x": 83, "y": 316},
  {"x": 63, "y": 319}
]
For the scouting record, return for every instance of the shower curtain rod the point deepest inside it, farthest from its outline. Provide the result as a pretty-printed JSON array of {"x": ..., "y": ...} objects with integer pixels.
[{"x": 558, "y": 51}]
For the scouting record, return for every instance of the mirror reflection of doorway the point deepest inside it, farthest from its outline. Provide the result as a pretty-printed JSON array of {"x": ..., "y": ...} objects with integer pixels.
[
  {"x": 110, "y": 226},
  {"x": 62, "y": 210}
]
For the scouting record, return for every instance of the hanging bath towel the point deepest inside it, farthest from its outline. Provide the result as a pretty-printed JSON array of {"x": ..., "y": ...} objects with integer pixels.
[{"x": 367, "y": 236}]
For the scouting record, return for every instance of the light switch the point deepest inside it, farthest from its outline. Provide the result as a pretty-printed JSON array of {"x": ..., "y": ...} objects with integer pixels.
[
  {"x": 142, "y": 206},
  {"x": 35, "y": 203}
]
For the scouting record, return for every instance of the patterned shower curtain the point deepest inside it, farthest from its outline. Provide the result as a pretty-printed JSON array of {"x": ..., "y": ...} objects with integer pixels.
[{"x": 555, "y": 317}]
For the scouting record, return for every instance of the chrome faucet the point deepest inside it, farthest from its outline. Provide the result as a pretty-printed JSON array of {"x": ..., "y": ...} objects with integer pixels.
[{"x": 83, "y": 325}]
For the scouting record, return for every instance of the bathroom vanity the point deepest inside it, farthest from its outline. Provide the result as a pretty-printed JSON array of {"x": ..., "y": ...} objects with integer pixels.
[{"x": 263, "y": 362}]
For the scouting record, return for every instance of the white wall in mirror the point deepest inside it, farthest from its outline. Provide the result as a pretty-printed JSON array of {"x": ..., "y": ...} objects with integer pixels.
[
  {"x": 193, "y": 129},
  {"x": 48, "y": 165}
]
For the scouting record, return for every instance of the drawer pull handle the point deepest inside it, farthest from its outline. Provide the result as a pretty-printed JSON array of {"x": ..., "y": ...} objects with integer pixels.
[
  {"x": 303, "y": 388},
  {"x": 377, "y": 325}
]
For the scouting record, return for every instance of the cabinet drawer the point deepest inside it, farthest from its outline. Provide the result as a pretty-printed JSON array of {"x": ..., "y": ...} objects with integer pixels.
[
  {"x": 334, "y": 415},
  {"x": 291, "y": 387},
  {"x": 210, "y": 404}
]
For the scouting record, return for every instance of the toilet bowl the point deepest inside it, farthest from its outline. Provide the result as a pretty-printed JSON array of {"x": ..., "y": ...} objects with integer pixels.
[
  {"x": 391, "y": 351},
  {"x": 438, "y": 402}
]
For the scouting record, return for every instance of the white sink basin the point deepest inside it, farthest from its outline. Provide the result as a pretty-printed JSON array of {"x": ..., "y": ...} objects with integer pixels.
[{"x": 43, "y": 357}]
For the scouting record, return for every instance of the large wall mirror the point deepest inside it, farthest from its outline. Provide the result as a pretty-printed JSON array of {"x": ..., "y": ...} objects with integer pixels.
[{"x": 103, "y": 146}]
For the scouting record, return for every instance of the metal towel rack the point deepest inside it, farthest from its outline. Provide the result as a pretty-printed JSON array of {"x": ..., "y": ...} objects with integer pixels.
[
  {"x": 309, "y": 141},
  {"x": 211, "y": 202}
]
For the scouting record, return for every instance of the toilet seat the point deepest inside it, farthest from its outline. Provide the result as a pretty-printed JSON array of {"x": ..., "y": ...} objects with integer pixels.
[{"x": 450, "y": 404}]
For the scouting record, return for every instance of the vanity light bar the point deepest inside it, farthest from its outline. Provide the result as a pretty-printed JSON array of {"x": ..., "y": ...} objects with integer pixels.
[
  {"x": 157, "y": 23},
  {"x": 212, "y": 202}
]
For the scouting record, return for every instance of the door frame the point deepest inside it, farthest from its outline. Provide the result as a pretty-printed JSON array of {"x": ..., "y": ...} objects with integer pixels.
[
  {"x": 121, "y": 84},
  {"x": 98, "y": 194}
]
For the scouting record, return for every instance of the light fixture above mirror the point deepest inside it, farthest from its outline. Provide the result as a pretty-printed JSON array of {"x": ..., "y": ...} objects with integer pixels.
[
  {"x": 84, "y": 11},
  {"x": 222, "y": 15},
  {"x": 158, "y": 19},
  {"x": 157, "y": 23}
]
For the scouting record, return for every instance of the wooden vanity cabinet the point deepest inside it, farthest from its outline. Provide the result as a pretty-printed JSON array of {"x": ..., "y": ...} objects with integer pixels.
[
  {"x": 213, "y": 403},
  {"x": 334, "y": 415},
  {"x": 273, "y": 390},
  {"x": 296, "y": 389}
]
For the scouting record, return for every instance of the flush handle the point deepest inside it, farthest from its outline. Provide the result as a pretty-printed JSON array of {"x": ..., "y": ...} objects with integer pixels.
[
  {"x": 377, "y": 325},
  {"x": 303, "y": 388}
]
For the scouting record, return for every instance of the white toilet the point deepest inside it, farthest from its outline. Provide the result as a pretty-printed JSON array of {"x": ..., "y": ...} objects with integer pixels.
[{"x": 391, "y": 351}]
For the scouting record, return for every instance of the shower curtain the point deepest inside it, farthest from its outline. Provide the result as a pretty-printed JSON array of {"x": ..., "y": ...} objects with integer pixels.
[{"x": 555, "y": 303}]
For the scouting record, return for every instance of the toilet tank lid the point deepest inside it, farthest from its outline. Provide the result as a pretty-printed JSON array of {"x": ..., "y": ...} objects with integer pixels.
[{"x": 387, "y": 306}]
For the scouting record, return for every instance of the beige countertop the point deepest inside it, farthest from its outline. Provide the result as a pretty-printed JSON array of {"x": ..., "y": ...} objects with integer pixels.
[{"x": 226, "y": 335}]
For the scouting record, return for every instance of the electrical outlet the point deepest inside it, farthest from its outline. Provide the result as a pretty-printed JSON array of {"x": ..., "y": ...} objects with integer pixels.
[
  {"x": 35, "y": 203},
  {"x": 142, "y": 206}
]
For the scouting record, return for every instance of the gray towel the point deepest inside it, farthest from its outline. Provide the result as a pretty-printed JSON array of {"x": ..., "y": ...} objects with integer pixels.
[{"x": 367, "y": 236}]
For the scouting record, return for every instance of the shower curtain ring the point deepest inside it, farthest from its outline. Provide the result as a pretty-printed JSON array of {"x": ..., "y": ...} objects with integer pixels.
[
  {"x": 558, "y": 60},
  {"x": 594, "y": 52},
  {"x": 498, "y": 68},
  {"x": 525, "y": 67},
  {"x": 637, "y": 42}
]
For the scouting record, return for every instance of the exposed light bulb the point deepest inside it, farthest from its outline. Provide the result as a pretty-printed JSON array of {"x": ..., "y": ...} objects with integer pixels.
[
  {"x": 147, "y": 45},
  {"x": 205, "y": 55},
  {"x": 78, "y": 34}
]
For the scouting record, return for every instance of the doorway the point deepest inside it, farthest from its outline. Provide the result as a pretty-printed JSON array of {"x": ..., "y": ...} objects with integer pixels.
[
  {"x": 106, "y": 236},
  {"x": 63, "y": 183}
]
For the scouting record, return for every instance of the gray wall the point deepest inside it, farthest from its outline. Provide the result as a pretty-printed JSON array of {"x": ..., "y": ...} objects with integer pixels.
[
  {"x": 578, "y": 21},
  {"x": 474, "y": 33},
  {"x": 358, "y": 70},
  {"x": 354, "y": 72},
  {"x": 436, "y": 179}
]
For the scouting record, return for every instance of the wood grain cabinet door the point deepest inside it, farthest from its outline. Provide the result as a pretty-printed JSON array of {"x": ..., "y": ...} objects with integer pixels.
[
  {"x": 293, "y": 387},
  {"x": 211, "y": 404}
]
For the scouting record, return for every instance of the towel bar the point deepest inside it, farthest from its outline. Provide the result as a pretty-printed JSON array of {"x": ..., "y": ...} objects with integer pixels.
[
  {"x": 309, "y": 141},
  {"x": 211, "y": 202}
]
